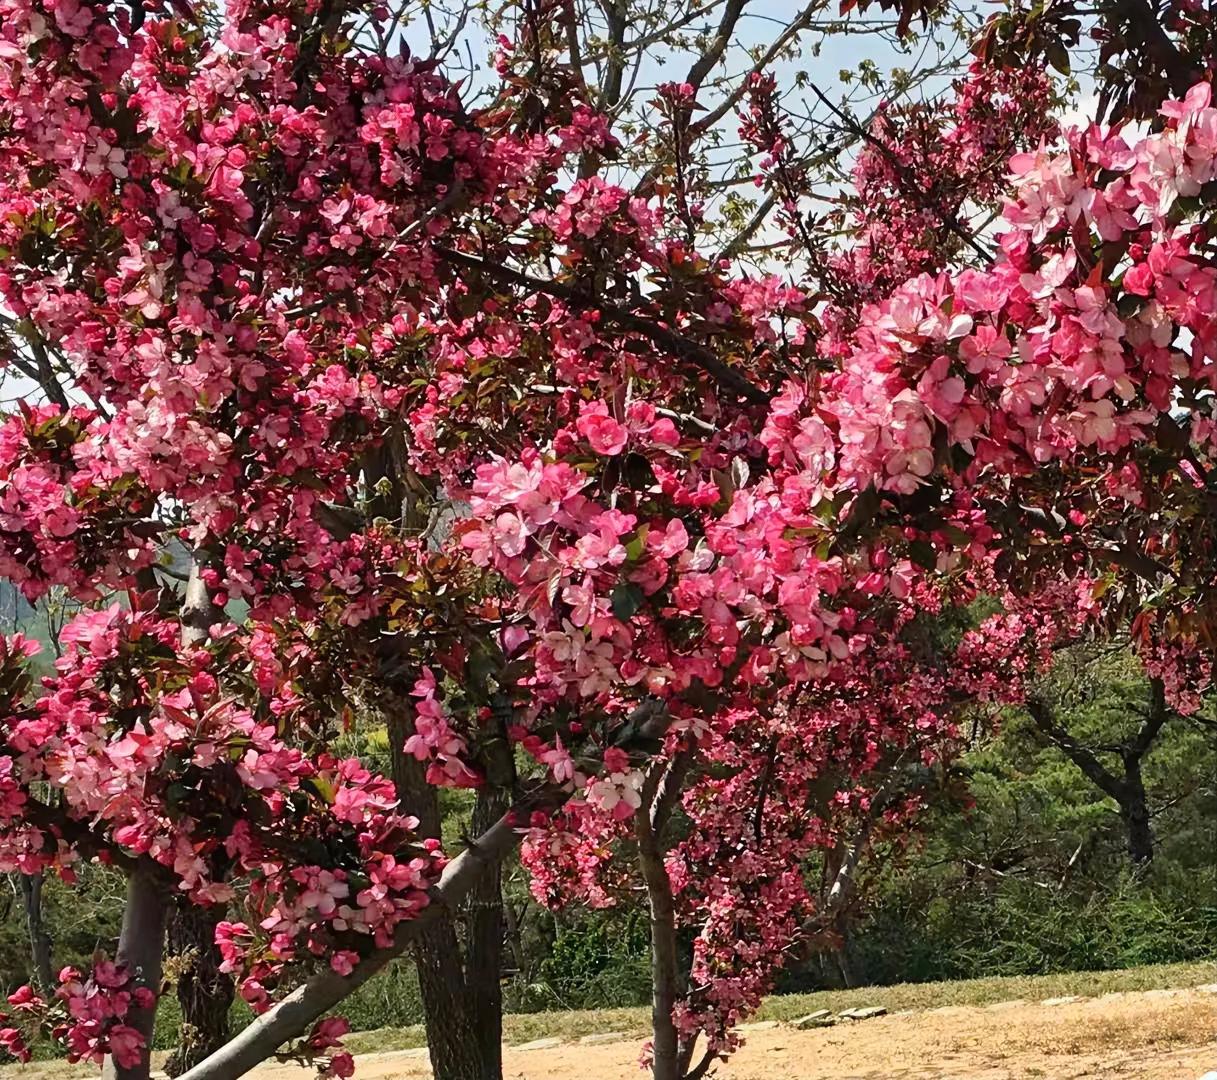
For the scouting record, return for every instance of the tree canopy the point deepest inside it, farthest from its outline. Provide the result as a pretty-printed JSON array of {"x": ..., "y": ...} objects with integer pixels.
[{"x": 366, "y": 390}]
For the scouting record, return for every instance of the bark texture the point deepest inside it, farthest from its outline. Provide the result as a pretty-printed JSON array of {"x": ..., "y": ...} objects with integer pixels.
[
  {"x": 140, "y": 947},
  {"x": 453, "y": 1040},
  {"x": 204, "y": 992},
  {"x": 40, "y": 940}
]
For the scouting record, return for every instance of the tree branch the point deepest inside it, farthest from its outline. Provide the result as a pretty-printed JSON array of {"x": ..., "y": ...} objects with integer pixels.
[
  {"x": 1138, "y": 746},
  {"x": 684, "y": 348},
  {"x": 671, "y": 784},
  {"x": 722, "y": 38},
  {"x": 296, "y": 1013},
  {"x": 1080, "y": 755},
  {"x": 1142, "y": 20},
  {"x": 952, "y": 222}
]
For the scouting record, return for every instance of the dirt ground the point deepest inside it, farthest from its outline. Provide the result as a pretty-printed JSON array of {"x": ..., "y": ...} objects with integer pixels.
[{"x": 1155, "y": 1035}]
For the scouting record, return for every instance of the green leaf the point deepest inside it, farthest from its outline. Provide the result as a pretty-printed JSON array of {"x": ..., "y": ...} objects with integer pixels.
[
  {"x": 626, "y": 600},
  {"x": 922, "y": 553},
  {"x": 634, "y": 549}
]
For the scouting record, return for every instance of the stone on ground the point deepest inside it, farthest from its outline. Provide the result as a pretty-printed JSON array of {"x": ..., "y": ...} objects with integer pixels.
[
  {"x": 539, "y": 1044},
  {"x": 1067, "y": 1000},
  {"x": 819, "y": 1018},
  {"x": 866, "y": 1013},
  {"x": 603, "y": 1037}
]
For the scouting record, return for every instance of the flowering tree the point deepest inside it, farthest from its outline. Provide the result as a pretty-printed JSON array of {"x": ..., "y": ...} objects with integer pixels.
[
  {"x": 291, "y": 302},
  {"x": 722, "y": 834},
  {"x": 932, "y": 421},
  {"x": 262, "y": 279}
]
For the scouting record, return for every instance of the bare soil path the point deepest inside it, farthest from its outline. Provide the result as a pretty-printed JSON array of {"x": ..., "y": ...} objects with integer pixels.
[{"x": 1151, "y": 1035}]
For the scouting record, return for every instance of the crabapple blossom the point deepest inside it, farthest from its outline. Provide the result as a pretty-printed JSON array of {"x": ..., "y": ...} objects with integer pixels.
[{"x": 298, "y": 287}]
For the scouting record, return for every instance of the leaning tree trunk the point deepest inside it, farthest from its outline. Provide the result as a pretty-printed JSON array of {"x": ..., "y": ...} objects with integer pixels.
[
  {"x": 454, "y": 1041},
  {"x": 40, "y": 940},
  {"x": 295, "y": 1014},
  {"x": 204, "y": 992}
]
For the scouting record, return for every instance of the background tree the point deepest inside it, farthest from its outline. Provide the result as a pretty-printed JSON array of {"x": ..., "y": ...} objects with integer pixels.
[
  {"x": 1115, "y": 765},
  {"x": 1032, "y": 873}
]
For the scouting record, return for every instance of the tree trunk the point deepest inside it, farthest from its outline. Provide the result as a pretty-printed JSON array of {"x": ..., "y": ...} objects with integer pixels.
[
  {"x": 484, "y": 942},
  {"x": 40, "y": 940},
  {"x": 141, "y": 941},
  {"x": 1128, "y": 791},
  {"x": 454, "y": 1043},
  {"x": 665, "y": 978},
  {"x": 296, "y": 1013},
  {"x": 847, "y": 958},
  {"x": 511, "y": 927},
  {"x": 204, "y": 992},
  {"x": 140, "y": 945},
  {"x": 1135, "y": 811},
  {"x": 308, "y": 1003}
]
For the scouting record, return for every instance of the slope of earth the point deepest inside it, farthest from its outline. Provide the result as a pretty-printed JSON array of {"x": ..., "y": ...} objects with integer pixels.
[
  {"x": 1100, "y": 1025},
  {"x": 1153, "y": 1035}
]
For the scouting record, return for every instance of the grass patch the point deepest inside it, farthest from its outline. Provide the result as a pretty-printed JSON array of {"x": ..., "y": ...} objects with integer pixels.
[
  {"x": 1178, "y": 1025},
  {"x": 990, "y": 991},
  {"x": 570, "y": 1026}
]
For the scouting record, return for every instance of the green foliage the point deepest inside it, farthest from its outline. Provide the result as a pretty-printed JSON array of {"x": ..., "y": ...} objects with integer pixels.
[
  {"x": 1035, "y": 876},
  {"x": 1022, "y": 928},
  {"x": 599, "y": 962},
  {"x": 79, "y": 919},
  {"x": 391, "y": 1000}
]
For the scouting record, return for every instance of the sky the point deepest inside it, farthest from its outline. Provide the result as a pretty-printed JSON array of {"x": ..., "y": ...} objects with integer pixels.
[{"x": 825, "y": 58}]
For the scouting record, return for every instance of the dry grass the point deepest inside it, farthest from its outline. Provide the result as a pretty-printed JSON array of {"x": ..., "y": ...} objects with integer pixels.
[
  {"x": 1100, "y": 1030},
  {"x": 991, "y": 991},
  {"x": 570, "y": 1026},
  {"x": 1130, "y": 1035},
  {"x": 1120, "y": 1023}
]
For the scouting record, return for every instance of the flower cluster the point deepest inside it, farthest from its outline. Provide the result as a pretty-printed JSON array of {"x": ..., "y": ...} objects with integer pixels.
[
  {"x": 926, "y": 169},
  {"x": 86, "y": 1015}
]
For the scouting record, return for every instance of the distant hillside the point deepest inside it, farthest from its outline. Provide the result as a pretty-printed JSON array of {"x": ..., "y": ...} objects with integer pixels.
[{"x": 16, "y": 613}]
